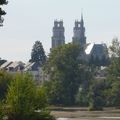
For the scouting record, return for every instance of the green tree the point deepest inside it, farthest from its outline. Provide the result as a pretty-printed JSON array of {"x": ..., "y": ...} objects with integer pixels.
[
  {"x": 114, "y": 74},
  {"x": 24, "y": 98},
  {"x": 5, "y": 80},
  {"x": 66, "y": 72},
  {"x": 2, "y": 12},
  {"x": 38, "y": 53},
  {"x": 41, "y": 98},
  {"x": 20, "y": 95},
  {"x": 114, "y": 67},
  {"x": 87, "y": 75},
  {"x": 96, "y": 94},
  {"x": 82, "y": 98},
  {"x": 115, "y": 48},
  {"x": 1, "y": 111}
]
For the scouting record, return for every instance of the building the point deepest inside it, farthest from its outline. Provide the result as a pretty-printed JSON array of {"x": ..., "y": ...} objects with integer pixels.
[
  {"x": 97, "y": 54},
  {"x": 91, "y": 52},
  {"x": 58, "y": 37},
  {"x": 19, "y": 67},
  {"x": 35, "y": 70},
  {"x": 5, "y": 65},
  {"x": 79, "y": 33}
]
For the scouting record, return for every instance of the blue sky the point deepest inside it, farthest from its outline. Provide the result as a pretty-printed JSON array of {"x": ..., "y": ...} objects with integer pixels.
[{"x": 30, "y": 20}]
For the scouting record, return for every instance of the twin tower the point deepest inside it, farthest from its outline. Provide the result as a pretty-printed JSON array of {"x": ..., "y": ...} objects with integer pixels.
[{"x": 58, "y": 37}]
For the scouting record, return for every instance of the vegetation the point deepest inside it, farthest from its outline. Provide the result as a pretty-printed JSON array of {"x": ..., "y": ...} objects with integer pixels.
[
  {"x": 66, "y": 73},
  {"x": 38, "y": 54},
  {"x": 97, "y": 94},
  {"x": 5, "y": 80},
  {"x": 2, "y": 12},
  {"x": 114, "y": 74},
  {"x": 25, "y": 101},
  {"x": 106, "y": 92},
  {"x": 71, "y": 82}
]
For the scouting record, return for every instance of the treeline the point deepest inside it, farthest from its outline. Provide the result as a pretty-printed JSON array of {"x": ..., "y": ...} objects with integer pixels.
[
  {"x": 72, "y": 81},
  {"x": 20, "y": 99}
]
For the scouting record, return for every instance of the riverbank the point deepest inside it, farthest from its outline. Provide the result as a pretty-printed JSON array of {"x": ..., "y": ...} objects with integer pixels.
[{"x": 83, "y": 114}]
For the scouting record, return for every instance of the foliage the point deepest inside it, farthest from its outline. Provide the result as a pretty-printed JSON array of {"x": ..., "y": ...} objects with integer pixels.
[
  {"x": 24, "y": 98},
  {"x": 114, "y": 74},
  {"x": 115, "y": 93},
  {"x": 2, "y": 2},
  {"x": 2, "y": 12},
  {"x": 44, "y": 115},
  {"x": 1, "y": 111},
  {"x": 20, "y": 95},
  {"x": 5, "y": 79},
  {"x": 88, "y": 72},
  {"x": 41, "y": 98},
  {"x": 38, "y": 53},
  {"x": 82, "y": 98},
  {"x": 66, "y": 72},
  {"x": 115, "y": 48},
  {"x": 96, "y": 95},
  {"x": 114, "y": 67},
  {"x": 62, "y": 67}
]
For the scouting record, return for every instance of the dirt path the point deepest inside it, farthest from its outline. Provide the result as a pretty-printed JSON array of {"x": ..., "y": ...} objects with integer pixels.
[{"x": 83, "y": 114}]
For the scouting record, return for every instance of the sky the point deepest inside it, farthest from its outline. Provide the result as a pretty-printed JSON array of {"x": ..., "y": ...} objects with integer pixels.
[{"x": 29, "y": 20}]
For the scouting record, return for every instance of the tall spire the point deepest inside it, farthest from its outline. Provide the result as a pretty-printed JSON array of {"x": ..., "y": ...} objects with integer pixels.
[
  {"x": 79, "y": 32},
  {"x": 81, "y": 14},
  {"x": 82, "y": 22}
]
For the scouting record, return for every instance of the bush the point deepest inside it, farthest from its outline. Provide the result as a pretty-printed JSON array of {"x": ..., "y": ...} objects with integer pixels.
[
  {"x": 97, "y": 98},
  {"x": 24, "y": 98},
  {"x": 5, "y": 80},
  {"x": 44, "y": 115},
  {"x": 95, "y": 104},
  {"x": 82, "y": 98},
  {"x": 1, "y": 111}
]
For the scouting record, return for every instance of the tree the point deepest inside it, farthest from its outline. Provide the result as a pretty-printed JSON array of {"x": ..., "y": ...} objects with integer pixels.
[
  {"x": 66, "y": 72},
  {"x": 62, "y": 67},
  {"x": 2, "y": 12},
  {"x": 114, "y": 74},
  {"x": 82, "y": 98},
  {"x": 38, "y": 53},
  {"x": 97, "y": 96},
  {"x": 5, "y": 80},
  {"x": 114, "y": 67},
  {"x": 115, "y": 48},
  {"x": 24, "y": 98}
]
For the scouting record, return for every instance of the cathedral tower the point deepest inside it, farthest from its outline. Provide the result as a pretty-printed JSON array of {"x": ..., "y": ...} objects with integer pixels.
[
  {"x": 79, "y": 33},
  {"x": 58, "y": 37}
]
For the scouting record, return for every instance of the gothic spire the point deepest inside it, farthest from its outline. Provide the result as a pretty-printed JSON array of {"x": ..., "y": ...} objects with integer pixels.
[{"x": 82, "y": 21}]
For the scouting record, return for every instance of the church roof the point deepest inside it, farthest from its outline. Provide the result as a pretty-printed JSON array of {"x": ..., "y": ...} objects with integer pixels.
[
  {"x": 95, "y": 48},
  {"x": 89, "y": 48}
]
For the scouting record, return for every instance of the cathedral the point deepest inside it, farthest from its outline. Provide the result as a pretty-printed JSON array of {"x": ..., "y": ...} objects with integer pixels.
[
  {"x": 58, "y": 37},
  {"x": 92, "y": 53}
]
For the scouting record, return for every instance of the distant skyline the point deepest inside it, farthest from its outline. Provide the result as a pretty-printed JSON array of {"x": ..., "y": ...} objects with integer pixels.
[{"x": 30, "y": 20}]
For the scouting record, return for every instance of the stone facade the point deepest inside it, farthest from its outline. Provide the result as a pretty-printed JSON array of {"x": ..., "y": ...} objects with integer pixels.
[
  {"x": 90, "y": 51},
  {"x": 79, "y": 33},
  {"x": 58, "y": 37}
]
